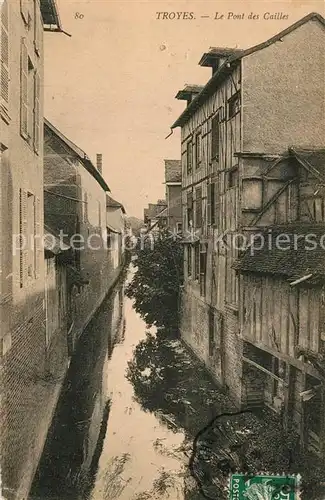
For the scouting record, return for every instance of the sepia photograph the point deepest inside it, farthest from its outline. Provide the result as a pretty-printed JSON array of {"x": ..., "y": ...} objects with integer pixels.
[{"x": 162, "y": 250}]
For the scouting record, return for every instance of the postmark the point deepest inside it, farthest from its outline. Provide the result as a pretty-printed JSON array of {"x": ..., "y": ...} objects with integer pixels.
[{"x": 264, "y": 487}]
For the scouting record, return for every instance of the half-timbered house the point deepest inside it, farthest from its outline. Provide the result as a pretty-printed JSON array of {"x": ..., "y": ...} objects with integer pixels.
[{"x": 233, "y": 131}]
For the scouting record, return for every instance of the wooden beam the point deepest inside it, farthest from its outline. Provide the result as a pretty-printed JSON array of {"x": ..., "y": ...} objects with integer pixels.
[
  {"x": 264, "y": 370},
  {"x": 271, "y": 201},
  {"x": 300, "y": 365}
]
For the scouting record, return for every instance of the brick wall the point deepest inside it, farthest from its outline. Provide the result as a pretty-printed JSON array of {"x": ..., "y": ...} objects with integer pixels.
[
  {"x": 233, "y": 354},
  {"x": 29, "y": 396}
]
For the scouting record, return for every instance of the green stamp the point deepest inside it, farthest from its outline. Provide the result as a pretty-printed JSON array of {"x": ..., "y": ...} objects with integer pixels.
[{"x": 264, "y": 487}]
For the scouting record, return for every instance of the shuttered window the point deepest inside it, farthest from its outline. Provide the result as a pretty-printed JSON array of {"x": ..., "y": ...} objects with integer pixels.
[
  {"x": 189, "y": 209},
  {"x": 4, "y": 37},
  {"x": 198, "y": 207},
  {"x": 23, "y": 244},
  {"x": 24, "y": 89},
  {"x": 215, "y": 136},
  {"x": 37, "y": 112},
  {"x": 38, "y": 28},
  {"x": 211, "y": 204},
  {"x": 86, "y": 207},
  {"x": 189, "y": 260},
  {"x": 189, "y": 157},
  {"x": 37, "y": 236}
]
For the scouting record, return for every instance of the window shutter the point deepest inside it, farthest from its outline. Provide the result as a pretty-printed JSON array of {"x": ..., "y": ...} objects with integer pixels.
[
  {"x": 24, "y": 10},
  {"x": 24, "y": 89},
  {"x": 38, "y": 30},
  {"x": 209, "y": 203},
  {"x": 37, "y": 235},
  {"x": 23, "y": 236},
  {"x": 4, "y": 36},
  {"x": 37, "y": 114}
]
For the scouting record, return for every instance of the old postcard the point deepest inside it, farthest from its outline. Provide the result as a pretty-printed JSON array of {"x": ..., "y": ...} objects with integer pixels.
[{"x": 162, "y": 250}]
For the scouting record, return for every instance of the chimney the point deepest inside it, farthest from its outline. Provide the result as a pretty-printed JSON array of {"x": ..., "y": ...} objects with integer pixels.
[{"x": 99, "y": 162}]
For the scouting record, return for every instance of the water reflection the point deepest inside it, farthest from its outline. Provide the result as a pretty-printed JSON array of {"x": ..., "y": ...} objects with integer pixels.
[
  {"x": 74, "y": 445},
  {"x": 106, "y": 442}
]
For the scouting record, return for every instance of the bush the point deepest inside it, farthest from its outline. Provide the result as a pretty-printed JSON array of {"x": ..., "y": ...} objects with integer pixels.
[{"x": 155, "y": 286}]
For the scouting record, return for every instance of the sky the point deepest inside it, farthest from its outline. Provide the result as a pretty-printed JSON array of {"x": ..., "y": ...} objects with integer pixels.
[{"x": 111, "y": 86}]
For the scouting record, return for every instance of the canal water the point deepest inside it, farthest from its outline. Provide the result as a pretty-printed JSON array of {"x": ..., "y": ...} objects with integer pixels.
[
  {"x": 119, "y": 429},
  {"x": 139, "y": 418}
]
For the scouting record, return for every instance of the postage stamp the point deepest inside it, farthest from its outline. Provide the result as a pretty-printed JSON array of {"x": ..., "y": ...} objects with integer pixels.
[{"x": 264, "y": 487}]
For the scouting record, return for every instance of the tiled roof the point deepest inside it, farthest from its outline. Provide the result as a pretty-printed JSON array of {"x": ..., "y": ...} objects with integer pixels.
[
  {"x": 85, "y": 160},
  {"x": 298, "y": 252},
  {"x": 173, "y": 171},
  {"x": 155, "y": 209}
]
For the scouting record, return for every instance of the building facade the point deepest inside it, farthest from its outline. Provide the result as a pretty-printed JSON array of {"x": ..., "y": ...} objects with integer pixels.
[
  {"x": 173, "y": 182},
  {"x": 233, "y": 133},
  {"x": 282, "y": 308},
  {"x": 75, "y": 204},
  {"x": 28, "y": 398},
  {"x": 155, "y": 216},
  {"x": 115, "y": 224}
]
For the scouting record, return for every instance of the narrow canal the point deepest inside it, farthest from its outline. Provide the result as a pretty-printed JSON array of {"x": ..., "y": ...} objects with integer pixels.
[
  {"x": 139, "y": 418},
  {"x": 118, "y": 430}
]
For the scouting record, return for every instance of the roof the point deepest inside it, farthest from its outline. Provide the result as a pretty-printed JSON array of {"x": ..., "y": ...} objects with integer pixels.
[
  {"x": 217, "y": 52},
  {"x": 85, "y": 160},
  {"x": 188, "y": 91},
  {"x": 231, "y": 61},
  {"x": 110, "y": 202},
  {"x": 155, "y": 209},
  {"x": 292, "y": 251},
  {"x": 173, "y": 171},
  {"x": 50, "y": 14}
]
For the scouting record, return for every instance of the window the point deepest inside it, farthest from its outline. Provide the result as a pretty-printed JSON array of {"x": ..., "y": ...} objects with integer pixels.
[
  {"x": 215, "y": 137},
  {"x": 109, "y": 239},
  {"x": 178, "y": 227},
  {"x": 86, "y": 207},
  {"x": 189, "y": 210},
  {"x": 29, "y": 228},
  {"x": 197, "y": 262},
  {"x": 198, "y": 150},
  {"x": 211, "y": 331},
  {"x": 211, "y": 203},
  {"x": 189, "y": 157},
  {"x": 30, "y": 101},
  {"x": 189, "y": 260},
  {"x": 25, "y": 65},
  {"x": 99, "y": 208},
  {"x": 203, "y": 266},
  {"x": 37, "y": 113},
  {"x": 198, "y": 207},
  {"x": 30, "y": 235},
  {"x": 4, "y": 55},
  {"x": 22, "y": 236},
  {"x": 234, "y": 105},
  {"x": 233, "y": 178},
  {"x": 38, "y": 28}
]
